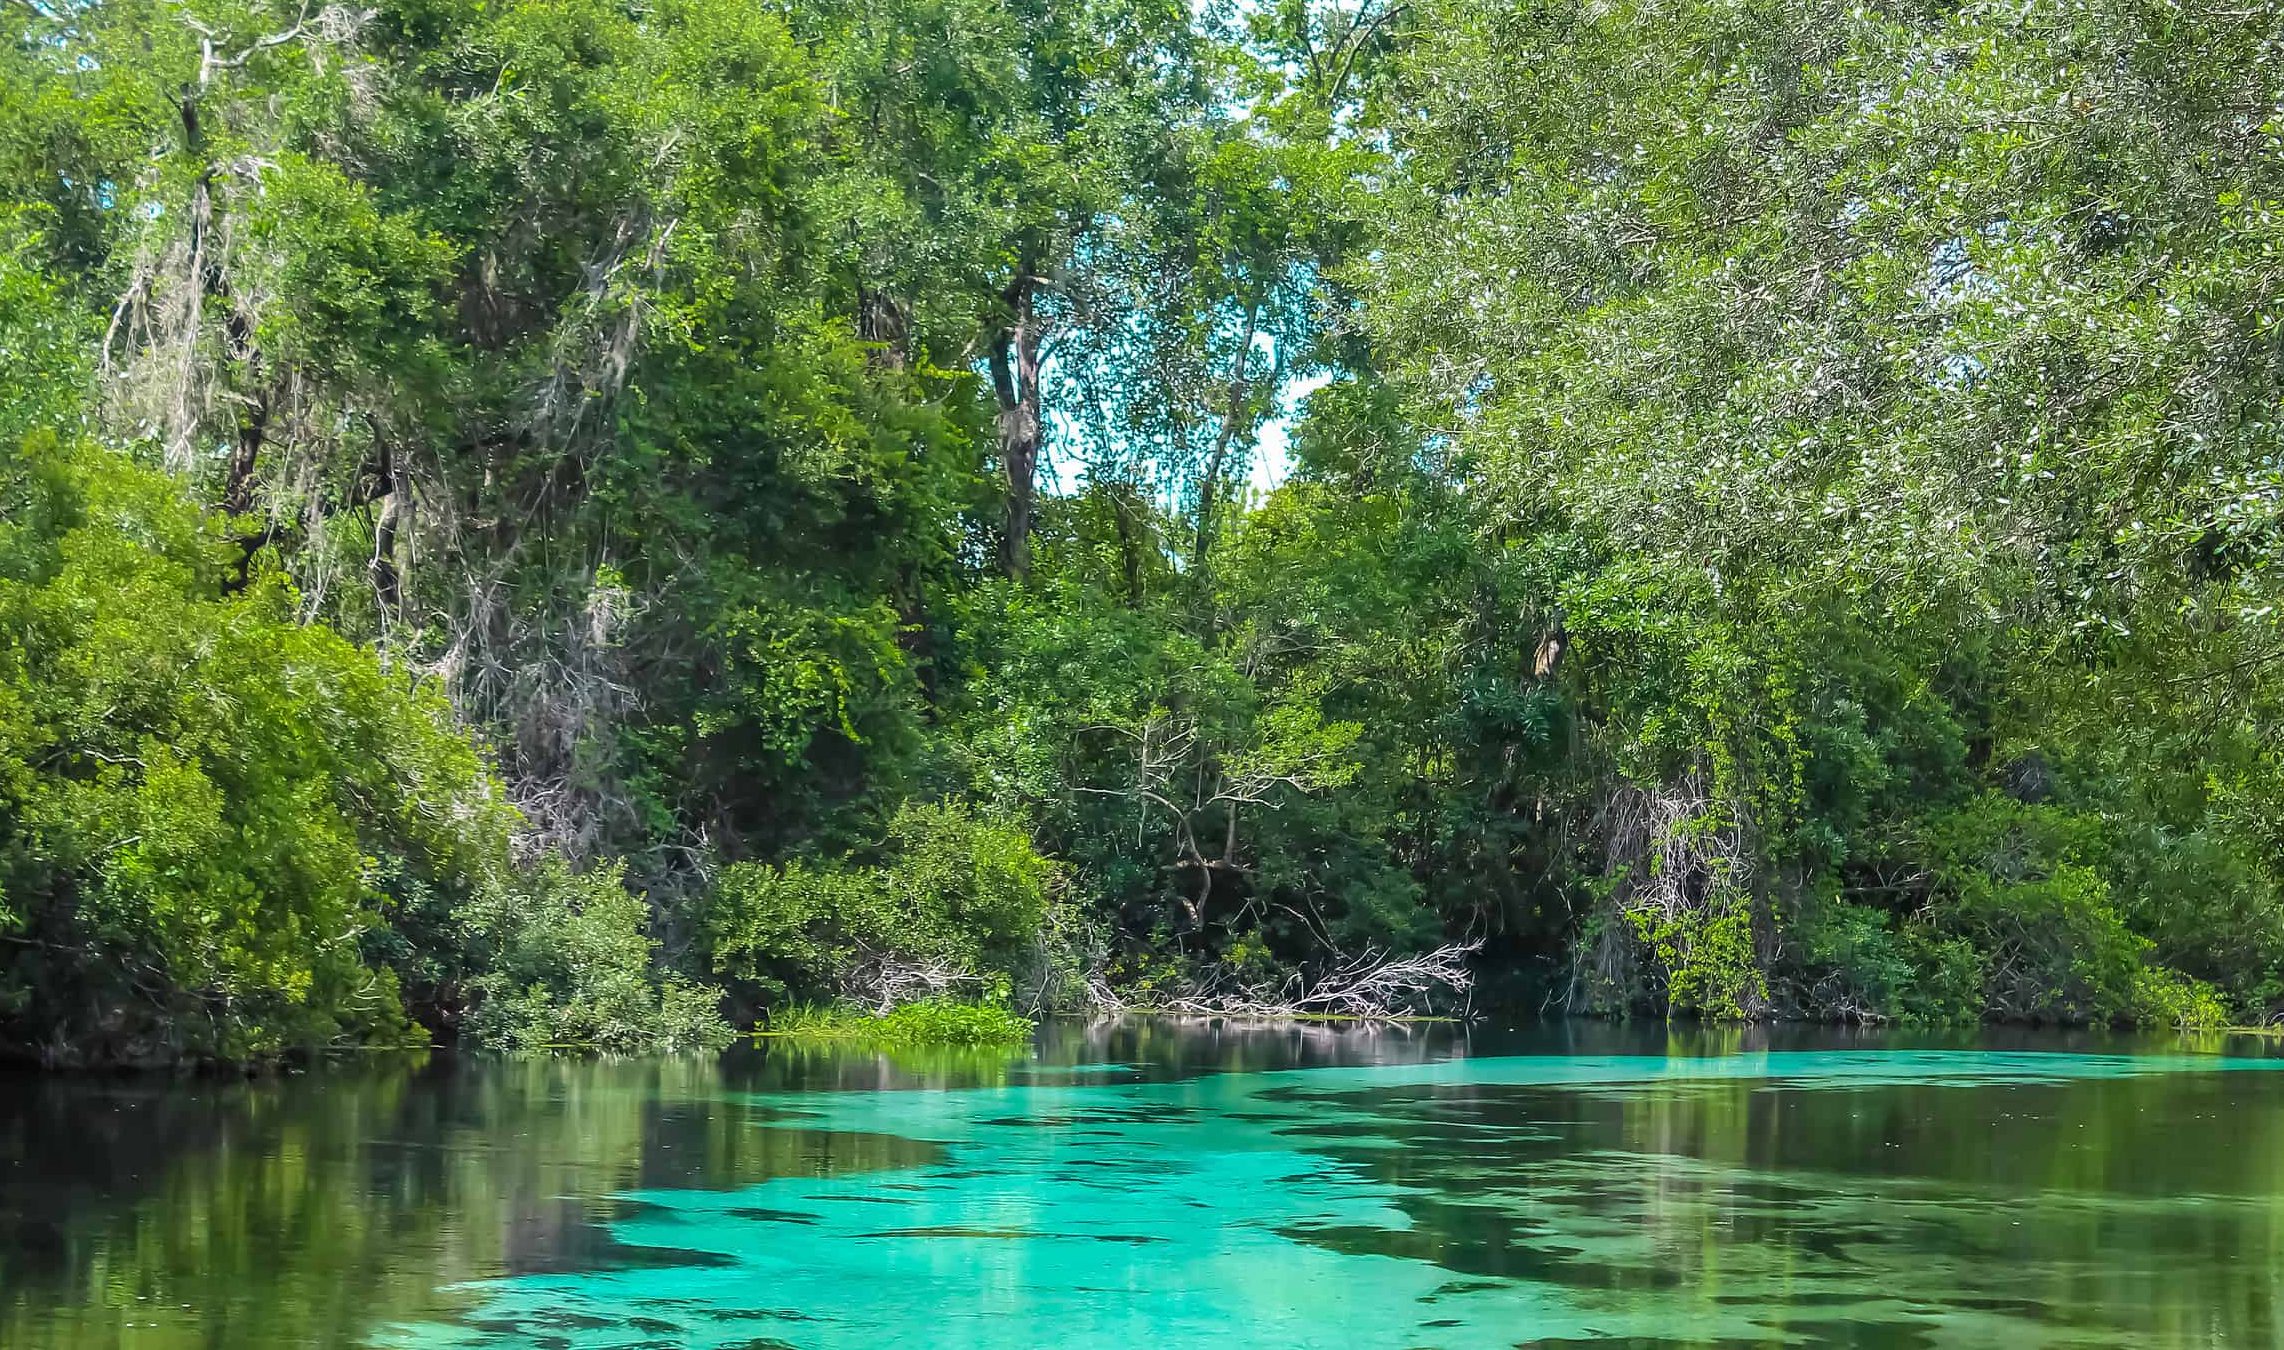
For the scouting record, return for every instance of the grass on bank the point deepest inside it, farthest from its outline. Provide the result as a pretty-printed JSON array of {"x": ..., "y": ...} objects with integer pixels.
[{"x": 927, "y": 1023}]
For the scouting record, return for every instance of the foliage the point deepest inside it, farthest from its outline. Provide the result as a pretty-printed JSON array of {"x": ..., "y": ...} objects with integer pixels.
[
  {"x": 1893, "y": 376},
  {"x": 955, "y": 899},
  {"x": 564, "y": 963},
  {"x": 1743, "y": 509},
  {"x": 206, "y": 809},
  {"x": 920, "y": 1024}
]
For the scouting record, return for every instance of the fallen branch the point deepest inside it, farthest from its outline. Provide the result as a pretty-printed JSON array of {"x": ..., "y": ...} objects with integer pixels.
[
  {"x": 1370, "y": 987},
  {"x": 884, "y": 981}
]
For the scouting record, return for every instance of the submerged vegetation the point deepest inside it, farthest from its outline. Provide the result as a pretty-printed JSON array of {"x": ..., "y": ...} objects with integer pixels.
[{"x": 550, "y": 522}]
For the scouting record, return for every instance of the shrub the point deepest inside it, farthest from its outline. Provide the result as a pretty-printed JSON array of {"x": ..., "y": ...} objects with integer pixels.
[
  {"x": 565, "y": 963},
  {"x": 202, "y": 799},
  {"x": 952, "y": 893},
  {"x": 933, "y": 1022},
  {"x": 2031, "y": 893}
]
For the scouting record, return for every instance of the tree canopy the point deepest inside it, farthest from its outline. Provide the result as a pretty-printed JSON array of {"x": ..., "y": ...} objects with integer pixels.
[{"x": 553, "y": 521}]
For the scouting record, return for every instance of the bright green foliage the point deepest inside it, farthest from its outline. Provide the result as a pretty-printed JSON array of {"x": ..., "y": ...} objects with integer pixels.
[
  {"x": 42, "y": 340},
  {"x": 1782, "y": 520},
  {"x": 1901, "y": 380},
  {"x": 2055, "y": 942},
  {"x": 197, "y": 793},
  {"x": 920, "y": 1024},
  {"x": 566, "y": 964},
  {"x": 952, "y": 893}
]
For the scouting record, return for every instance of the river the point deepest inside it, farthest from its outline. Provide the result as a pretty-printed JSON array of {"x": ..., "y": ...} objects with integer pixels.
[{"x": 1144, "y": 1184}]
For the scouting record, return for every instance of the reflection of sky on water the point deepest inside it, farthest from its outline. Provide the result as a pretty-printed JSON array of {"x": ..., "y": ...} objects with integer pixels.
[{"x": 1463, "y": 1203}]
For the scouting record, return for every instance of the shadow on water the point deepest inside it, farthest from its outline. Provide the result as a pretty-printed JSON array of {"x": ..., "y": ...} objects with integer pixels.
[{"x": 1190, "y": 1184}]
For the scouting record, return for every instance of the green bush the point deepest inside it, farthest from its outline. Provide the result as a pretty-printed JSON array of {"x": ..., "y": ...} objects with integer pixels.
[
  {"x": 923, "y": 1023},
  {"x": 229, "y": 835},
  {"x": 565, "y": 963},
  {"x": 950, "y": 890},
  {"x": 1708, "y": 955},
  {"x": 201, "y": 797},
  {"x": 2030, "y": 891}
]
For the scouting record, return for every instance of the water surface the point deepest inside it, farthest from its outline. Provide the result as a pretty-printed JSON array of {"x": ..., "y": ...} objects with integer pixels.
[{"x": 1148, "y": 1185}]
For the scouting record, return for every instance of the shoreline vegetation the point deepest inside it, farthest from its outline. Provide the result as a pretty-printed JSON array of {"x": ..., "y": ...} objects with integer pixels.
[
  {"x": 927, "y": 1023},
  {"x": 549, "y": 523}
]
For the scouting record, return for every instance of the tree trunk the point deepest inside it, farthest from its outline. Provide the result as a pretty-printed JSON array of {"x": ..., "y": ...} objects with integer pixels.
[
  {"x": 1015, "y": 380},
  {"x": 213, "y": 282},
  {"x": 883, "y": 327},
  {"x": 1217, "y": 462},
  {"x": 388, "y": 585},
  {"x": 253, "y": 434},
  {"x": 1122, "y": 511},
  {"x": 246, "y": 455}
]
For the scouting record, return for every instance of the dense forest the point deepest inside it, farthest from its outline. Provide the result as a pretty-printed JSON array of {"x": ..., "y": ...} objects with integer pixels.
[{"x": 542, "y": 522}]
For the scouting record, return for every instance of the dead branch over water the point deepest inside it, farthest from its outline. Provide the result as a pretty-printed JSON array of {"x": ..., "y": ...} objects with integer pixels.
[{"x": 1371, "y": 986}]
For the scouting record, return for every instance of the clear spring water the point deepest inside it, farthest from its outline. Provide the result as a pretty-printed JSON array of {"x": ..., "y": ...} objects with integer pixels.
[{"x": 1149, "y": 1185}]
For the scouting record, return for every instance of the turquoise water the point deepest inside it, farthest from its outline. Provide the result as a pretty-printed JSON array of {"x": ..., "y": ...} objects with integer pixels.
[{"x": 1150, "y": 1186}]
